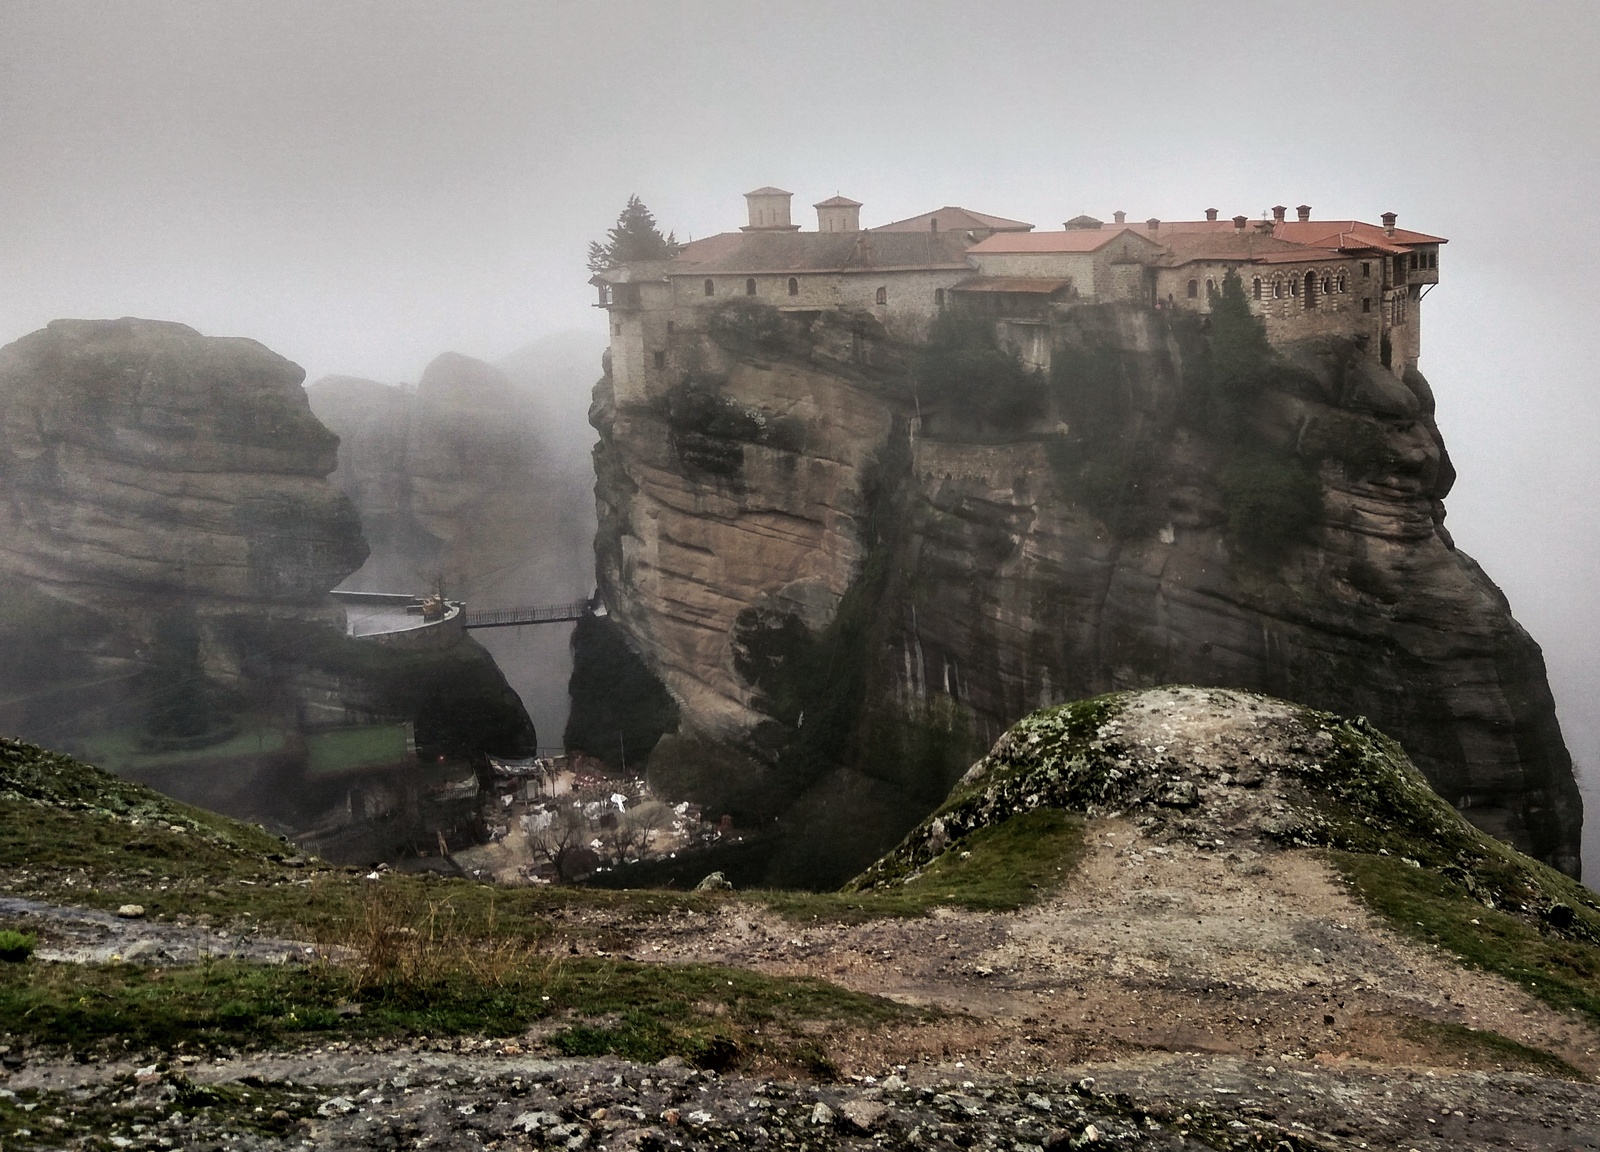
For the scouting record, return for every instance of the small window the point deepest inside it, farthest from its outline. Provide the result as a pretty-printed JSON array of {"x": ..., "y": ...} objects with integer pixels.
[
  {"x": 1342, "y": 286},
  {"x": 669, "y": 326},
  {"x": 938, "y": 297},
  {"x": 1366, "y": 303},
  {"x": 1255, "y": 287},
  {"x": 1211, "y": 287},
  {"x": 794, "y": 286},
  {"x": 1294, "y": 286},
  {"x": 1194, "y": 289},
  {"x": 882, "y": 296},
  {"x": 1327, "y": 285},
  {"x": 711, "y": 287},
  {"x": 1433, "y": 259},
  {"x": 661, "y": 359},
  {"x": 1413, "y": 259},
  {"x": 1366, "y": 269},
  {"x": 750, "y": 286},
  {"x": 1277, "y": 288}
]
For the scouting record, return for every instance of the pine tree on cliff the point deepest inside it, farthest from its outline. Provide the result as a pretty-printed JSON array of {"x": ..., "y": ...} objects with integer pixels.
[
  {"x": 635, "y": 237},
  {"x": 1240, "y": 354}
]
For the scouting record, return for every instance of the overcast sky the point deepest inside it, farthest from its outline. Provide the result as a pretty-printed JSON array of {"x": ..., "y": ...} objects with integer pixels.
[{"x": 364, "y": 185}]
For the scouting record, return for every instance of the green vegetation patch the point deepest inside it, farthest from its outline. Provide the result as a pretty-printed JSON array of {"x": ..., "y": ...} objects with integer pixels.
[
  {"x": 995, "y": 869},
  {"x": 1478, "y": 1047},
  {"x": 1045, "y": 760},
  {"x": 713, "y": 1015},
  {"x": 39, "y": 786},
  {"x": 963, "y": 368},
  {"x": 341, "y": 750},
  {"x": 15, "y": 947},
  {"x": 1435, "y": 907},
  {"x": 1273, "y": 500}
]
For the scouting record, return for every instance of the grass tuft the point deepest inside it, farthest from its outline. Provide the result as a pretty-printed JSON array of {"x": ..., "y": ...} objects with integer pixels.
[{"x": 16, "y": 947}]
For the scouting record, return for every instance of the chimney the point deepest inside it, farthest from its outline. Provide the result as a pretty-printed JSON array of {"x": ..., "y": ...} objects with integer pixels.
[
  {"x": 842, "y": 214},
  {"x": 769, "y": 211},
  {"x": 1279, "y": 211},
  {"x": 1239, "y": 222},
  {"x": 1211, "y": 214},
  {"x": 1388, "y": 223},
  {"x": 1304, "y": 212},
  {"x": 1119, "y": 217},
  {"x": 1153, "y": 224}
]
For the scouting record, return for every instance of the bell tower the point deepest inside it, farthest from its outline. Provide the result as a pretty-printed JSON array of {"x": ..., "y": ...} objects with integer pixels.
[
  {"x": 838, "y": 214},
  {"x": 769, "y": 211}
]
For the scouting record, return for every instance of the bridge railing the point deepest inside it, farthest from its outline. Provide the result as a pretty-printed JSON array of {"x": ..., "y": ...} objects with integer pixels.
[{"x": 536, "y": 614}]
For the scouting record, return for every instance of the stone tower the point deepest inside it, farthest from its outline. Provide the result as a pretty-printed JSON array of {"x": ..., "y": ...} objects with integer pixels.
[
  {"x": 838, "y": 214},
  {"x": 769, "y": 211}
]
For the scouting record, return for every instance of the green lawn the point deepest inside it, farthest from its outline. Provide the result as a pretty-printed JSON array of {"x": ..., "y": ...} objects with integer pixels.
[{"x": 341, "y": 750}]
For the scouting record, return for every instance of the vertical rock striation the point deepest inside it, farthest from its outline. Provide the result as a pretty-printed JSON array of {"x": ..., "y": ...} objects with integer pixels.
[{"x": 806, "y": 500}]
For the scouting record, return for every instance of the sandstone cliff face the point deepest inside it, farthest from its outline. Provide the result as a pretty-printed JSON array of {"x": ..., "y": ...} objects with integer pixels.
[
  {"x": 144, "y": 466},
  {"x": 168, "y": 539},
  {"x": 456, "y": 481},
  {"x": 805, "y": 502}
]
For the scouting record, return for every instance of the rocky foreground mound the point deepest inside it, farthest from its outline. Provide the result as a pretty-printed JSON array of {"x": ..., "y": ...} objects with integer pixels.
[{"x": 1223, "y": 770}]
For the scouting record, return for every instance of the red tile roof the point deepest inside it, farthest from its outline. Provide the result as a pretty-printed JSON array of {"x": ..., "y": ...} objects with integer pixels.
[
  {"x": 1351, "y": 234},
  {"x": 953, "y": 219},
  {"x": 1010, "y": 284},
  {"x": 1076, "y": 240}
]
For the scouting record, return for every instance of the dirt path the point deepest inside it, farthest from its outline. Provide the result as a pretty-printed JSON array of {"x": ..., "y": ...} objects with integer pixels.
[
  {"x": 74, "y": 935},
  {"x": 1170, "y": 948}
]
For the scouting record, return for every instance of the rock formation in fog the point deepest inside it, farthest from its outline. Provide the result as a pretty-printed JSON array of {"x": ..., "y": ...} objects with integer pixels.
[
  {"x": 854, "y": 562},
  {"x": 458, "y": 480},
  {"x": 168, "y": 537}
]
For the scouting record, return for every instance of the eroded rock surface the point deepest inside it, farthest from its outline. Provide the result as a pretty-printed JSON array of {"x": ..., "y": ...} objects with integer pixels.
[
  {"x": 168, "y": 539},
  {"x": 1114, "y": 535}
]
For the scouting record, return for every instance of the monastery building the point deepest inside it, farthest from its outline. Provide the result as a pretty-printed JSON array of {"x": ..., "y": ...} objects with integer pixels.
[{"x": 1303, "y": 277}]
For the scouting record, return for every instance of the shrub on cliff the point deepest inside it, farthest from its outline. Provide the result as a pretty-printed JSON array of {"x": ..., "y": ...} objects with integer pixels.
[
  {"x": 1273, "y": 500},
  {"x": 709, "y": 430},
  {"x": 1238, "y": 359},
  {"x": 962, "y": 367}
]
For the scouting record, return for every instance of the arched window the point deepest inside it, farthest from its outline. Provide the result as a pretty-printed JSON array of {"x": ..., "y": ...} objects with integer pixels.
[
  {"x": 938, "y": 297},
  {"x": 1211, "y": 287},
  {"x": 750, "y": 286},
  {"x": 794, "y": 286},
  {"x": 1311, "y": 290},
  {"x": 1294, "y": 286},
  {"x": 1277, "y": 288},
  {"x": 882, "y": 296},
  {"x": 1327, "y": 285},
  {"x": 1255, "y": 287},
  {"x": 711, "y": 287},
  {"x": 1194, "y": 289}
]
